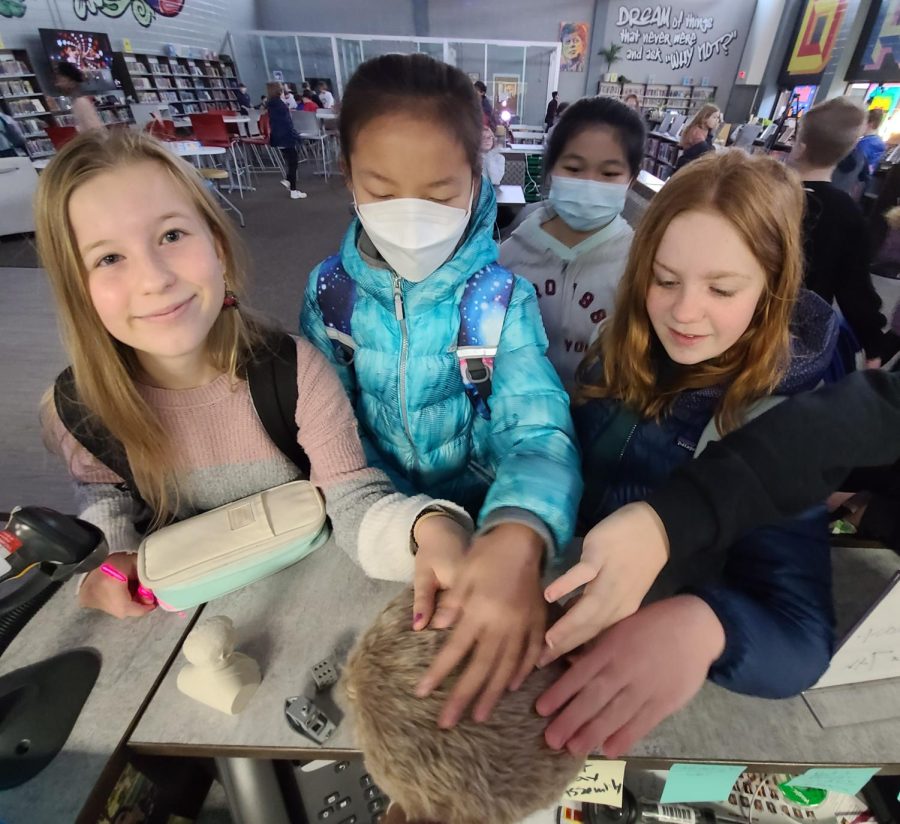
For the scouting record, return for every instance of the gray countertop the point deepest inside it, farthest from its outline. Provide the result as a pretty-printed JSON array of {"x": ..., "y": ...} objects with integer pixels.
[
  {"x": 133, "y": 653},
  {"x": 295, "y": 619}
]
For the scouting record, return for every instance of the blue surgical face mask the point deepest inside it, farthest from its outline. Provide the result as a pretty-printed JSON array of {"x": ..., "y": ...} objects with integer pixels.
[{"x": 585, "y": 205}]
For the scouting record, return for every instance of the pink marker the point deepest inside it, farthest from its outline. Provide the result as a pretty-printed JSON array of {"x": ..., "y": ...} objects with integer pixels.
[
  {"x": 112, "y": 572},
  {"x": 144, "y": 595}
]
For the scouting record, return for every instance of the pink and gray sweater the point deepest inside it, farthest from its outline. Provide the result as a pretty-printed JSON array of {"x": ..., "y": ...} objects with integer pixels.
[{"x": 225, "y": 454}]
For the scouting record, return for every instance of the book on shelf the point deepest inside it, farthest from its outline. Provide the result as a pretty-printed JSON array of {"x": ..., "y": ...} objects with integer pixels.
[
  {"x": 14, "y": 87},
  {"x": 31, "y": 126},
  {"x": 31, "y": 105},
  {"x": 148, "y": 97},
  {"x": 13, "y": 66},
  {"x": 38, "y": 146}
]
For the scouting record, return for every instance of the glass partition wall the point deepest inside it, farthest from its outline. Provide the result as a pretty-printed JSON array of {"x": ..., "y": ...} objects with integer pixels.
[{"x": 519, "y": 75}]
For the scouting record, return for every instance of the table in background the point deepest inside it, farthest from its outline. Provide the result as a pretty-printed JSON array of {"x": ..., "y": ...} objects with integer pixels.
[
  {"x": 535, "y": 138},
  {"x": 522, "y": 148},
  {"x": 301, "y": 616},
  {"x": 510, "y": 195},
  {"x": 326, "y": 114},
  {"x": 134, "y": 652}
]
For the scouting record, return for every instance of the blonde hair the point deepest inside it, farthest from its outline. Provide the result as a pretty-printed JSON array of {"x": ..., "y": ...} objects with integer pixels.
[
  {"x": 763, "y": 200},
  {"x": 829, "y": 131},
  {"x": 105, "y": 369},
  {"x": 698, "y": 122},
  {"x": 499, "y": 771}
]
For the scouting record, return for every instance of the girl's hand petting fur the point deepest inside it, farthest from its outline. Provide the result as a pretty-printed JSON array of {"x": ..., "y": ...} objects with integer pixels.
[
  {"x": 620, "y": 559},
  {"x": 634, "y": 675},
  {"x": 500, "y": 616},
  {"x": 442, "y": 543}
]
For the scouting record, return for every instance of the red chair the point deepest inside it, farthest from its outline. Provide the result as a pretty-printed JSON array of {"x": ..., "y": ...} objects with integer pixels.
[
  {"x": 60, "y": 135},
  {"x": 162, "y": 130},
  {"x": 211, "y": 130},
  {"x": 262, "y": 141}
]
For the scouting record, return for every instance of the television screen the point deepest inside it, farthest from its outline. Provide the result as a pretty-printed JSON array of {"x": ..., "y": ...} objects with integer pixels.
[{"x": 90, "y": 51}]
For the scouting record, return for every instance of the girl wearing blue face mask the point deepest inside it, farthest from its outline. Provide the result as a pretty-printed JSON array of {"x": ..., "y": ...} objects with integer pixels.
[
  {"x": 575, "y": 246},
  {"x": 443, "y": 353}
]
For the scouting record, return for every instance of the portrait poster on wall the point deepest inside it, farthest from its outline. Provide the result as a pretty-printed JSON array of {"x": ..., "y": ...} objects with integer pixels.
[
  {"x": 575, "y": 43},
  {"x": 817, "y": 30}
]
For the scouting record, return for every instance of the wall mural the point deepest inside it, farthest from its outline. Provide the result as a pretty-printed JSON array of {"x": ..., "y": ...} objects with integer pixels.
[
  {"x": 817, "y": 31},
  {"x": 12, "y": 8},
  {"x": 673, "y": 37},
  {"x": 877, "y": 56},
  {"x": 144, "y": 11}
]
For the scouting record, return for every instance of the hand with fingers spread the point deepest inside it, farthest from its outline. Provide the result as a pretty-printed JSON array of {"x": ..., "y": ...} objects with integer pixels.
[
  {"x": 500, "y": 616},
  {"x": 620, "y": 559},
  {"x": 100, "y": 591},
  {"x": 633, "y": 676},
  {"x": 442, "y": 543}
]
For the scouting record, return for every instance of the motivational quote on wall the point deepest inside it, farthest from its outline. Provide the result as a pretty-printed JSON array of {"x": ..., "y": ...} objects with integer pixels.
[{"x": 670, "y": 36}]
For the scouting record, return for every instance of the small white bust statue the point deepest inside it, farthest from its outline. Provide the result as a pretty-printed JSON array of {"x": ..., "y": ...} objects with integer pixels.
[{"x": 217, "y": 675}]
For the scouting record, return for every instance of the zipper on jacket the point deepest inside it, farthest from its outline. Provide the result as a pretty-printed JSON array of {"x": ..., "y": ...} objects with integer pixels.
[
  {"x": 614, "y": 476},
  {"x": 400, "y": 314}
]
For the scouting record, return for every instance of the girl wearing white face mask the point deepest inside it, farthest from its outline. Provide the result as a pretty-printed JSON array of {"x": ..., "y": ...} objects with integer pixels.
[
  {"x": 574, "y": 247},
  {"x": 399, "y": 299}
]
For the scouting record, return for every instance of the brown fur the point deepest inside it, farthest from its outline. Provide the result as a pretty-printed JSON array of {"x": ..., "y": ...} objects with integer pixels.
[{"x": 499, "y": 771}]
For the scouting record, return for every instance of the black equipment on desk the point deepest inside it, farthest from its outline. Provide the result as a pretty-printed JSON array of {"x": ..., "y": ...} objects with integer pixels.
[
  {"x": 39, "y": 704},
  {"x": 340, "y": 792},
  {"x": 39, "y": 547},
  {"x": 634, "y": 811}
]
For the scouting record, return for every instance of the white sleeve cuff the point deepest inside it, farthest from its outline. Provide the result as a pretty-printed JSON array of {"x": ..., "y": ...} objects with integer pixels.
[{"x": 385, "y": 534}]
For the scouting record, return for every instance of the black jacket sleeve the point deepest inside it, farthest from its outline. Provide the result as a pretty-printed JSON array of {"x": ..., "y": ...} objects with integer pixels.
[
  {"x": 779, "y": 464},
  {"x": 854, "y": 292}
]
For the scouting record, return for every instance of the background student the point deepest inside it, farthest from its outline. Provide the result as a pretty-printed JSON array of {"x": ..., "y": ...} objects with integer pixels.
[
  {"x": 697, "y": 137},
  {"x": 69, "y": 80},
  {"x": 283, "y": 136},
  {"x": 836, "y": 241},
  {"x": 574, "y": 248},
  {"x": 401, "y": 290}
]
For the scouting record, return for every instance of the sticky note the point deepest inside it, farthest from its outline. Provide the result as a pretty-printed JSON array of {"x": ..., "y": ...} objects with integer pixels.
[
  {"x": 126, "y": 45},
  {"x": 849, "y": 780},
  {"x": 700, "y": 782},
  {"x": 1, "y": 43},
  {"x": 599, "y": 782}
]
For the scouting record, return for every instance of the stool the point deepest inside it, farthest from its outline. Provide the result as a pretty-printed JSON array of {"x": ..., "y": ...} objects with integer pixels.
[{"x": 213, "y": 175}]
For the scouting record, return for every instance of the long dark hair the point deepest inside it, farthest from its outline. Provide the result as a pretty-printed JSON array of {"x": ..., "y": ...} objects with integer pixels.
[{"x": 414, "y": 84}]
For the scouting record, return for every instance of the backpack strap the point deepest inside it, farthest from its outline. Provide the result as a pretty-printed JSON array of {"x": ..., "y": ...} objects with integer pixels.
[
  {"x": 87, "y": 429},
  {"x": 336, "y": 296},
  {"x": 272, "y": 380},
  {"x": 482, "y": 311}
]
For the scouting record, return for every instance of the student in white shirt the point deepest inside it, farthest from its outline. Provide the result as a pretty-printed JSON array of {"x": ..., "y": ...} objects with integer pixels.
[
  {"x": 325, "y": 96},
  {"x": 69, "y": 79}
]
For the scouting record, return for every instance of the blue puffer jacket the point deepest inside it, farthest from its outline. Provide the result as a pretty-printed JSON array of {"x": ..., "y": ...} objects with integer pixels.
[
  {"x": 407, "y": 390},
  {"x": 774, "y": 596}
]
